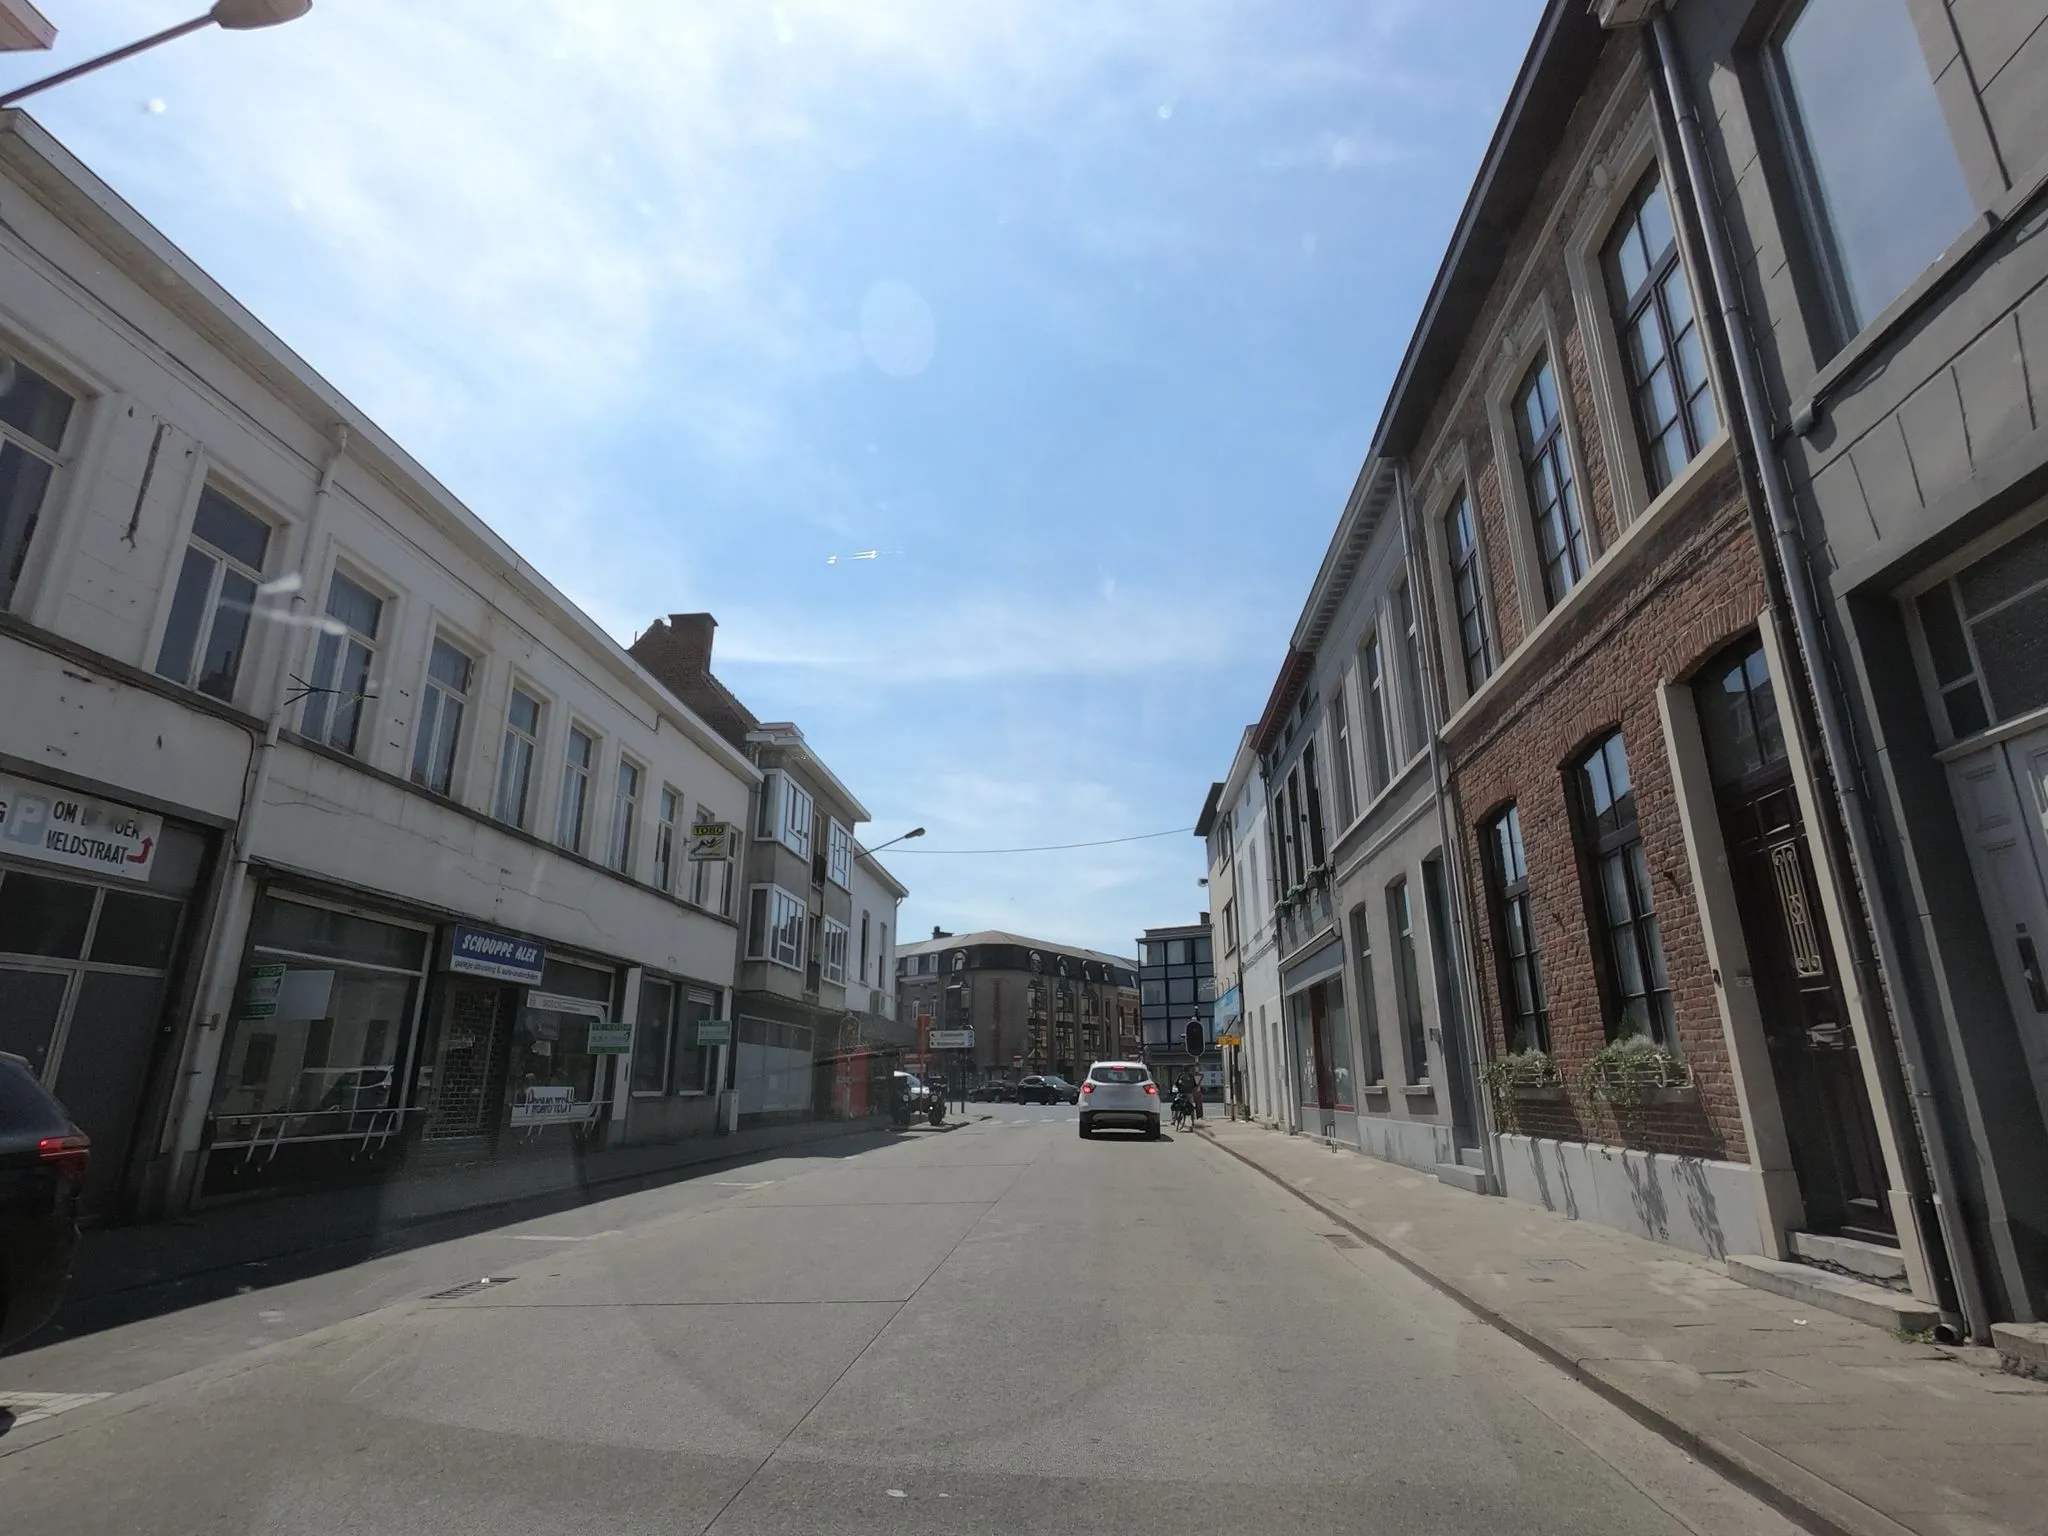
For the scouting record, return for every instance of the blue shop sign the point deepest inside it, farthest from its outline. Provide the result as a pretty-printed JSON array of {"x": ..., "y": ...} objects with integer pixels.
[{"x": 479, "y": 952}]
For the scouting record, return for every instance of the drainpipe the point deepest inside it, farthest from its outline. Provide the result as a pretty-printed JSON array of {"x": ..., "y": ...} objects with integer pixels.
[
  {"x": 1838, "y": 742},
  {"x": 231, "y": 921},
  {"x": 1421, "y": 595}
]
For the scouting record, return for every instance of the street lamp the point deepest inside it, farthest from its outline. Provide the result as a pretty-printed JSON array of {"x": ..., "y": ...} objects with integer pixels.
[
  {"x": 234, "y": 15},
  {"x": 906, "y": 837}
]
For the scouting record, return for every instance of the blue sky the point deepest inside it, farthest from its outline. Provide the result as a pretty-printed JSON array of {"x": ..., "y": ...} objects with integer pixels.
[{"x": 1078, "y": 315}]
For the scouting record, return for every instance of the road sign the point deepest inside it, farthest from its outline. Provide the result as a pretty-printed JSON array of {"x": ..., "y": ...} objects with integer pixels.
[
  {"x": 952, "y": 1039},
  {"x": 710, "y": 841},
  {"x": 1016, "y": 1058},
  {"x": 1230, "y": 1039}
]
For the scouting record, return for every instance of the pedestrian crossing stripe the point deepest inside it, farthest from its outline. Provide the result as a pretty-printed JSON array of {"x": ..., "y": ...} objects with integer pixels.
[{"x": 25, "y": 1408}]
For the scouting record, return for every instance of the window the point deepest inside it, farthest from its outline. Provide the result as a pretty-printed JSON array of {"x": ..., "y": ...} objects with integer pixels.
[
  {"x": 668, "y": 809},
  {"x": 447, "y": 690},
  {"x": 1230, "y": 926},
  {"x": 33, "y": 415},
  {"x": 775, "y": 927},
  {"x": 864, "y": 949},
  {"x": 209, "y": 625},
  {"x": 882, "y": 955},
  {"x": 711, "y": 879},
  {"x": 1878, "y": 171},
  {"x": 1639, "y": 992},
  {"x": 1661, "y": 344},
  {"x": 625, "y": 810},
  {"x": 839, "y": 854},
  {"x": 1983, "y": 630},
  {"x": 341, "y": 665},
  {"x": 832, "y": 938},
  {"x": 1461, "y": 544},
  {"x": 1340, "y": 750},
  {"x": 1368, "y": 997},
  {"x": 1547, "y": 473},
  {"x": 1372, "y": 674},
  {"x": 1739, "y": 715},
  {"x": 1414, "y": 707},
  {"x": 786, "y": 813},
  {"x": 515, "y": 767},
  {"x": 1526, "y": 1013},
  {"x": 1407, "y": 980},
  {"x": 694, "y": 1065},
  {"x": 1179, "y": 952},
  {"x": 578, "y": 758},
  {"x": 653, "y": 1036},
  {"x": 1312, "y": 803}
]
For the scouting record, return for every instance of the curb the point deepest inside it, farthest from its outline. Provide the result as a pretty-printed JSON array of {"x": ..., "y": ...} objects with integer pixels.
[{"x": 1802, "y": 1497}]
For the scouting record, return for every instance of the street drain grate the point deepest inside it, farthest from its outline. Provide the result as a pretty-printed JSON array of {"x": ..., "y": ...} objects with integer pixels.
[
  {"x": 1343, "y": 1240},
  {"x": 469, "y": 1287}
]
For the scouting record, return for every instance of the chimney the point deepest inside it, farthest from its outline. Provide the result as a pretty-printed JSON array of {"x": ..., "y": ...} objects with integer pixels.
[
  {"x": 678, "y": 651},
  {"x": 940, "y": 933},
  {"x": 692, "y": 634}
]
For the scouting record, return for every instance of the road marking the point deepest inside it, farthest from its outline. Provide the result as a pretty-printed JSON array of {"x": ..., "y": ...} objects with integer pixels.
[
  {"x": 554, "y": 1237},
  {"x": 28, "y": 1407}
]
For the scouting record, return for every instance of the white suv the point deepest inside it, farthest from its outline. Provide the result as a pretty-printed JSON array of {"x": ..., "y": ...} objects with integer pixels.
[{"x": 1120, "y": 1093}]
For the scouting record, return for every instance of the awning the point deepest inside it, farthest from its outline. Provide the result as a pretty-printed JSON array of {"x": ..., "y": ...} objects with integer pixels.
[{"x": 1320, "y": 966}]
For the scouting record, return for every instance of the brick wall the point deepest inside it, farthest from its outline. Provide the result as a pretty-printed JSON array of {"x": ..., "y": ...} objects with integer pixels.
[{"x": 1696, "y": 585}]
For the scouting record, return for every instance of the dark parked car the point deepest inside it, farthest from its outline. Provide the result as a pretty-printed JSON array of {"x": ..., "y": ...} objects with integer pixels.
[
  {"x": 994, "y": 1093},
  {"x": 1047, "y": 1090},
  {"x": 42, "y": 1169}
]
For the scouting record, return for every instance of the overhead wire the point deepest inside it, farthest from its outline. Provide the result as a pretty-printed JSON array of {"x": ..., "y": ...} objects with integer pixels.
[{"x": 1103, "y": 842}]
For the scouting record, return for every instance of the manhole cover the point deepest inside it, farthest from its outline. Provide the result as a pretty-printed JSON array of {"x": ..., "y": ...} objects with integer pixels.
[{"x": 469, "y": 1287}]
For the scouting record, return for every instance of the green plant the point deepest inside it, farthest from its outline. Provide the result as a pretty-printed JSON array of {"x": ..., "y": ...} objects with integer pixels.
[
  {"x": 1629, "y": 1070},
  {"x": 1523, "y": 1069}
]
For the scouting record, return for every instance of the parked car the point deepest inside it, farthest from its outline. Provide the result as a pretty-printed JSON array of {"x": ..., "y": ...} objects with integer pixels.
[
  {"x": 42, "y": 1169},
  {"x": 994, "y": 1093},
  {"x": 1120, "y": 1093},
  {"x": 1047, "y": 1090}
]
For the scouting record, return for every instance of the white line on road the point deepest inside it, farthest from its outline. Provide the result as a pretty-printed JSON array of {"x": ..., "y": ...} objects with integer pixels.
[
  {"x": 554, "y": 1237},
  {"x": 28, "y": 1407}
]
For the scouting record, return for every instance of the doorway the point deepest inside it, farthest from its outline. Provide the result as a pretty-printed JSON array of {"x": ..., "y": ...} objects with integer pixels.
[
  {"x": 1815, "y": 1062},
  {"x": 463, "y": 1084}
]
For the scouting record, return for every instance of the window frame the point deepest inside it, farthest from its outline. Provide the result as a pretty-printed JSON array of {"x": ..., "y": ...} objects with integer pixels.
[
  {"x": 833, "y": 941},
  {"x": 1459, "y": 572},
  {"x": 432, "y": 715},
  {"x": 1368, "y": 997},
  {"x": 1536, "y": 336},
  {"x": 59, "y": 459},
  {"x": 838, "y": 853},
  {"x": 1651, "y": 303},
  {"x": 668, "y": 1045},
  {"x": 1598, "y": 848},
  {"x": 1507, "y": 891},
  {"x": 618, "y": 844},
  {"x": 1407, "y": 618},
  {"x": 668, "y": 806},
  {"x": 223, "y": 563},
  {"x": 1574, "y": 557},
  {"x": 322, "y": 690},
  {"x": 1408, "y": 981},
  {"x": 581, "y": 776},
  {"x": 786, "y": 812},
  {"x": 1345, "y": 787},
  {"x": 518, "y": 688},
  {"x": 771, "y": 920},
  {"x": 1373, "y": 686}
]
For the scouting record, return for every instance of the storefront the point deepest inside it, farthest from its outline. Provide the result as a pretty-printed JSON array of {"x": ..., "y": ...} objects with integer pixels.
[
  {"x": 322, "y": 1039},
  {"x": 1319, "y": 1033},
  {"x": 97, "y": 921},
  {"x": 363, "y": 1039}
]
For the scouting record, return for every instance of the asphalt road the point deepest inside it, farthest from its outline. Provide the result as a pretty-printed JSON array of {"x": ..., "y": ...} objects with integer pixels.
[{"x": 994, "y": 1328}]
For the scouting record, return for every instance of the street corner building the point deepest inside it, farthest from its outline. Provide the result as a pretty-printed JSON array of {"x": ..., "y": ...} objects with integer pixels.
[
  {"x": 1652, "y": 827},
  {"x": 995, "y": 1006},
  {"x": 336, "y": 845}
]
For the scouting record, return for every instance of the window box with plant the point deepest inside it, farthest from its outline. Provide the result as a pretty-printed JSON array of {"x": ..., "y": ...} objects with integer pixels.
[{"x": 1632, "y": 1073}]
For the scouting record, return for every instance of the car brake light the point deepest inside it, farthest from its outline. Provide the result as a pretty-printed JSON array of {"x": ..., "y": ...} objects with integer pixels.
[
  {"x": 66, "y": 1154},
  {"x": 1087, "y": 1087},
  {"x": 1153, "y": 1089}
]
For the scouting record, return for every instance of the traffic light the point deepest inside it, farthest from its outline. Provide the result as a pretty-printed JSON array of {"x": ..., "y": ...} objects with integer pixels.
[{"x": 1194, "y": 1037}]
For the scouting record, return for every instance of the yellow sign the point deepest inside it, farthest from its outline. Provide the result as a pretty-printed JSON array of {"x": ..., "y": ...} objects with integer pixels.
[{"x": 1230, "y": 1039}]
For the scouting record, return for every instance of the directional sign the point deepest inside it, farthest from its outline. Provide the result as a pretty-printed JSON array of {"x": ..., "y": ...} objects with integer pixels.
[
  {"x": 710, "y": 841},
  {"x": 952, "y": 1039}
]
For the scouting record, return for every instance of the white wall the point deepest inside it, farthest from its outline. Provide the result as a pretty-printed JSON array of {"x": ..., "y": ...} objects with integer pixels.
[{"x": 177, "y": 388}]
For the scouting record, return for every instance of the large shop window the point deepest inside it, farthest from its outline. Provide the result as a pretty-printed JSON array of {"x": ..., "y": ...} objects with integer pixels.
[
  {"x": 83, "y": 967},
  {"x": 33, "y": 415},
  {"x": 1986, "y": 632},
  {"x": 1883, "y": 191},
  {"x": 667, "y": 1056},
  {"x": 1629, "y": 942},
  {"x": 559, "y": 1046},
  {"x": 324, "y": 1019}
]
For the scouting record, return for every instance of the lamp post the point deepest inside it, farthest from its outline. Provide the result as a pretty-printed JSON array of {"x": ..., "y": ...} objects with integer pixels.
[
  {"x": 233, "y": 15},
  {"x": 906, "y": 837}
]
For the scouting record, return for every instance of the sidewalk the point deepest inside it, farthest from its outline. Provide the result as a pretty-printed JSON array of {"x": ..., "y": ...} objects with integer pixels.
[
  {"x": 1843, "y": 1426},
  {"x": 112, "y": 1260}
]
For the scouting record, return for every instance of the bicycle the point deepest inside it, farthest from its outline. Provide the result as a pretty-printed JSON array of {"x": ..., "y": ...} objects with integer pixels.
[{"x": 1183, "y": 1114}]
